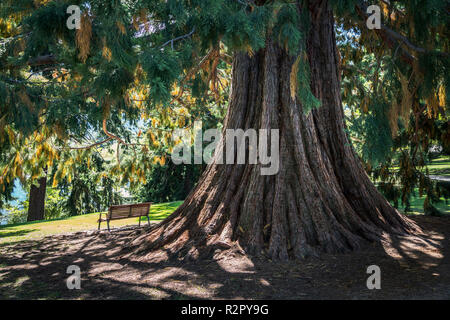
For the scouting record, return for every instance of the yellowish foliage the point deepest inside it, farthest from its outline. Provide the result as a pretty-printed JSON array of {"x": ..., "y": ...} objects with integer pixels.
[
  {"x": 25, "y": 99},
  {"x": 407, "y": 100},
  {"x": 83, "y": 37},
  {"x": 432, "y": 105},
  {"x": 121, "y": 27},
  {"x": 365, "y": 104},
  {"x": 55, "y": 182},
  {"x": 18, "y": 159},
  {"x": 11, "y": 135},
  {"x": 38, "y": 3},
  {"x": 176, "y": 90},
  {"x": 442, "y": 96},
  {"x": 294, "y": 78},
  {"x": 140, "y": 19},
  {"x": 393, "y": 117},
  {"x": 106, "y": 52},
  {"x": 181, "y": 122},
  {"x": 385, "y": 9}
]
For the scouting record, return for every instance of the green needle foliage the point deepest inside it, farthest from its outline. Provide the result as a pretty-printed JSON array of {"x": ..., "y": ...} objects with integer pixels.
[{"x": 138, "y": 69}]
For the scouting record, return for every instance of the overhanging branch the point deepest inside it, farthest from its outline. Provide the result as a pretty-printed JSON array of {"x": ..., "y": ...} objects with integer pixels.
[
  {"x": 394, "y": 40},
  {"x": 91, "y": 146},
  {"x": 171, "y": 41}
]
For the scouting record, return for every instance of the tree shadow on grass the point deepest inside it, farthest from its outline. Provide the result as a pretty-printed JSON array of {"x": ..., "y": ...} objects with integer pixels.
[
  {"x": 37, "y": 270},
  {"x": 15, "y": 233}
]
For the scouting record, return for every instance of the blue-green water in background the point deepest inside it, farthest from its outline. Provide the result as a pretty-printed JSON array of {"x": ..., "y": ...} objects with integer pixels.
[{"x": 19, "y": 195}]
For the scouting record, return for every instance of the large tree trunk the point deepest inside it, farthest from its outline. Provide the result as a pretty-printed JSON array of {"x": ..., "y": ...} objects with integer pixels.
[
  {"x": 320, "y": 201},
  {"x": 36, "y": 201}
]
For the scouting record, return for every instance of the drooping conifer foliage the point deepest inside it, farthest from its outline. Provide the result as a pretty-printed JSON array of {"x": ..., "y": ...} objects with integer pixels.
[
  {"x": 62, "y": 87},
  {"x": 398, "y": 95},
  {"x": 136, "y": 70}
]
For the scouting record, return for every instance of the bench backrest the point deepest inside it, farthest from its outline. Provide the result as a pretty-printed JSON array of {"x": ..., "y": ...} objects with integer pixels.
[{"x": 128, "y": 211}]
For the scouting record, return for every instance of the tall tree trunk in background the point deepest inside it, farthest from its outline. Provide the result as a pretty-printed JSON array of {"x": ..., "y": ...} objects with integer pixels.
[
  {"x": 320, "y": 201},
  {"x": 36, "y": 206},
  {"x": 187, "y": 184}
]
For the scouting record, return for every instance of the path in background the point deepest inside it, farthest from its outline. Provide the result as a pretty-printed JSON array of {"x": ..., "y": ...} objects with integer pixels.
[{"x": 440, "y": 178}]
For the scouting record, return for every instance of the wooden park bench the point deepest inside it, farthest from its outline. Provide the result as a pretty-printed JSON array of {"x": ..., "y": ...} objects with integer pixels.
[{"x": 126, "y": 211}]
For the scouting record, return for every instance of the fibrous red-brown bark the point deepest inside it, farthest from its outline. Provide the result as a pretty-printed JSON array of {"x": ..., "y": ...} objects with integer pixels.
[{"x": 320, "y": 201}]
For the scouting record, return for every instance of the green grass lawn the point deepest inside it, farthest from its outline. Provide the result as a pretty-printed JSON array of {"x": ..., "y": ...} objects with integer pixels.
[
  {"x": 439, "y": 167},
  {"x": 40, "y": 229},
  {"x": 416, "y": 206}
]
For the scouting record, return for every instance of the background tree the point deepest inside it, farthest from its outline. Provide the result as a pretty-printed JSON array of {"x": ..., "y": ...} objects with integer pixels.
[{"x": 36, "y": 208}]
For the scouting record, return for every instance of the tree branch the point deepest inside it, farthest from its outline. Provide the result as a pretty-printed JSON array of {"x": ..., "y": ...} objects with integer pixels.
[
  {"x": 394, "y": 39},
  {"x": 178, "y": 38},
  {"x": 91, "y": 146}
]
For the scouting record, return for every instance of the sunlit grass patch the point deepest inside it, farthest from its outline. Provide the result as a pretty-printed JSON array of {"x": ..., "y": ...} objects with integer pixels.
[
  {"x": 439, "y": 166},
  {"x": 40, "y": 229}
]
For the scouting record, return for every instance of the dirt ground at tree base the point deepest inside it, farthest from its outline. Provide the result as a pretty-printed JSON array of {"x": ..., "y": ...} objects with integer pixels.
[{"x": 410, "y": 269}]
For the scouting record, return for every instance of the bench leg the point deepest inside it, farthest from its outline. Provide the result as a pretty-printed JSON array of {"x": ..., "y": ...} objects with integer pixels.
[
  {"x": 107, "y": 222},
  {"x": 99, "y": 225},
  {"x": 139, "y": 221},
  {"x": 148, "y": 220}
]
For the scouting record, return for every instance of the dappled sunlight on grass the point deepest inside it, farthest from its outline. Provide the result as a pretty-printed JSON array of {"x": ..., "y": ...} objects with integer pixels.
[
  {"x": 40, "y": 229},
  {"x": 439, "y": 166},
  {"x": 163, "y": 210},
  {"x": 416, "y": 204}
]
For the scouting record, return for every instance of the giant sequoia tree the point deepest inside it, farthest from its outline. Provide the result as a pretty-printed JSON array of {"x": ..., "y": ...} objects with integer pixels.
[{"x": 286, "y": 73}]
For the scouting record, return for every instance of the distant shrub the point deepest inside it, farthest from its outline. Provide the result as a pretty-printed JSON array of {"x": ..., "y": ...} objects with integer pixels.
[{"x": 18, "y": 213}]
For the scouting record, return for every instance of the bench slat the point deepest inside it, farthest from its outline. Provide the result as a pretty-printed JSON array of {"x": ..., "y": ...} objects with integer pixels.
[
  {"x": 125, "y": 211},
  {"x": 128, "y": 211}
]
